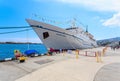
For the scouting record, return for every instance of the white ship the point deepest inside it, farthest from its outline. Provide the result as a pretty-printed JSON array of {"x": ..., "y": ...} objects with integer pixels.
[{"x": 58, "y": 38}]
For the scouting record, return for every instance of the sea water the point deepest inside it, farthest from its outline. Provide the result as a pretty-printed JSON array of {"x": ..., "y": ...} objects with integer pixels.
[{"x": 7, "y": 50}]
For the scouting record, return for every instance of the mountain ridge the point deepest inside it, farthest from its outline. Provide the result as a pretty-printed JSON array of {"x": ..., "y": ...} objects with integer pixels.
[{"x": 108, "y": 41}]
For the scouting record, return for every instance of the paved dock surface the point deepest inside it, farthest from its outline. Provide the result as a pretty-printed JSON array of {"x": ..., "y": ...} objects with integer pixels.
[
  {"x": 110, "y": 72},
  {"x": 12, "y": 70},
  {"x": 62, "y": 67}
]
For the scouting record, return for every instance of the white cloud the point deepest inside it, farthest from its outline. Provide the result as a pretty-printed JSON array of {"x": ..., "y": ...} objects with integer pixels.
[{"x": 114, "y": 21}]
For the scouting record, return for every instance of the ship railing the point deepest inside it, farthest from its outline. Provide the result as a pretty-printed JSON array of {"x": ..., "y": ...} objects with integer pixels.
[{"x": 88, "y": 53}]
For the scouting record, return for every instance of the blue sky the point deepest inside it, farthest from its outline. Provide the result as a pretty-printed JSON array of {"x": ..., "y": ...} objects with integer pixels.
[{"x": 101, "y": 16}]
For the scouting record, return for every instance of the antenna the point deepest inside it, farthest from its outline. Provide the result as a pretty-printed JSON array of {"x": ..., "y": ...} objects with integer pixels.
[
  {"x": 87, "y": 29},
  {"x": 73, "y": 22},
  {"x": 83, "y": 25}
]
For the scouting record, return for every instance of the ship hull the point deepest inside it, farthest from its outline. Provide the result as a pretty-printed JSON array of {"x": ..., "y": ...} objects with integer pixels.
[{"x": 57, "y": 38}]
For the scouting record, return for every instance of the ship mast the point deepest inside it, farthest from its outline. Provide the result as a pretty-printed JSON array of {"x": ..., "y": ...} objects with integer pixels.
[
  {"x": 87, "y": 29},
  {"x": 73, "y": 23}
]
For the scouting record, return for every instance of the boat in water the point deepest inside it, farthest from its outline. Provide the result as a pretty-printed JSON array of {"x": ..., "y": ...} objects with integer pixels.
[{"x": 59, "y": 38}]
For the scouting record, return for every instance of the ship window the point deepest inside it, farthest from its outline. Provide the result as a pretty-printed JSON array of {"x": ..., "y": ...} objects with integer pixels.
[{"x": 45, "y": 35}]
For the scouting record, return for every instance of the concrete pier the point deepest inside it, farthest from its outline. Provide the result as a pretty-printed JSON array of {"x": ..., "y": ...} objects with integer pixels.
[{"x": 62, "y": 68}]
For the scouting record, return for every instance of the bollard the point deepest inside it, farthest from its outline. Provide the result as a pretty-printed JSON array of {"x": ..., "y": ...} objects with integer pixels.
[
  {"x": 100, "y": 58},
  {"x": 103, "y": 51},
  {"x": 77, "y": 53},
  {"x": 97, "y": 58}
]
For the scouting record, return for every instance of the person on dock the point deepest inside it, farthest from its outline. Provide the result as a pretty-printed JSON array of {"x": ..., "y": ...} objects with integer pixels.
[
  {"x": 17, "y": 54},
  {"x": 50, "y": 51}
]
